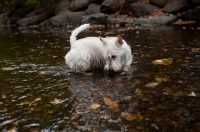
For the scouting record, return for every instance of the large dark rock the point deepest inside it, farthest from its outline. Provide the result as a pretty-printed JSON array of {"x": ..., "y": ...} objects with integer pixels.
[
  {"x": 126, "y": 7},
  {"x": 98, "y": 18},
  {"x": 62, "y": 6},
  {"x": 45, "y": 23},
  {"x": 21, "y": 12},
  {"x": 159, "y": 3},
  {"x": 174, "y": 6},
  {"x": 196, "y": 2},
  {"x": 36, "y": 12},
  {"x": 93, "y": 8},
  {"x": 12, "y": 21},
  {"x": 157, "y": 20},
  {"x": 68, "y": 18},
  {"x": 110, "y": 6},
  {"x": 140, "y": 9},
  {"x": 3, "y": 18},
  {"x": 3, "y": 9},
  {"x": 3, "y": 21},
  {"x": 33, "y": 20},
  {"x": 3, "y": 15},
  {"x": 193, "y": 14},
  {"x": 77, "y": 5}
]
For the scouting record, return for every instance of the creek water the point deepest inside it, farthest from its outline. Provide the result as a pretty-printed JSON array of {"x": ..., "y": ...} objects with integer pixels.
[{"x": 162, "y": 93}]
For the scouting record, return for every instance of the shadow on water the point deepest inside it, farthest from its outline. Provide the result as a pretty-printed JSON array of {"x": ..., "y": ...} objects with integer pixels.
[{"x": 162, "y": 93}]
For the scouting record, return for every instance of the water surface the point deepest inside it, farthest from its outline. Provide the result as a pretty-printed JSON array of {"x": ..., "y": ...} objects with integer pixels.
[{"x": 161, "y": 94}]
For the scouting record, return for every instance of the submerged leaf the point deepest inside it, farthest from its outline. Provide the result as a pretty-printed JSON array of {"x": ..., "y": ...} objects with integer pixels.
[
  {"x": 161, "y": 79},
  {"x": 94, "y": 106},
  {"x": 163, "y": 62},
  {"x": 7, "y": 68},
  {"x": 110, "y": 103},
  {"x": 152, "y": 85},
  {"x": 138, "y": 91},
  {"x": 37, "y": 99},
  {"x": 57, "y": 101},
  {"x": 129, "y": 117},
  {"x": 192, "y": 94}
]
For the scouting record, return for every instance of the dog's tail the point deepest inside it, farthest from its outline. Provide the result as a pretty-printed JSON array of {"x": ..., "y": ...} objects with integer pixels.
[{"x": 76, "y": 31}]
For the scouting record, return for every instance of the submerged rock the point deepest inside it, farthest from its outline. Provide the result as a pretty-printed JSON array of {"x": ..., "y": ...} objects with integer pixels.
[{"x": 157, "y": 20}]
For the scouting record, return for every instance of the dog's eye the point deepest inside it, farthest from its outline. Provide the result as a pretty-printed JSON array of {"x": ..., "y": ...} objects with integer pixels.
[{"x": 113, "y": 56}]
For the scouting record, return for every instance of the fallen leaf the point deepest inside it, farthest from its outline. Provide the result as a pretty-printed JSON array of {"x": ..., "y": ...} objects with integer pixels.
[
  {"x": 37, "y": 99},
  {"x": 119, "y": 85},
  {"x": 7, "y": 68},
  {"x": 192, "y": 94},
  {"x": 94, "y": 106},
  {"x": 64, "y": 86},
  {"x": 152, "y": 85},
  {"x": 163, "y": 62},
  {"x": 24, "y": 103},
  {"x": 145, "y": 99},
  {"x": 128, "y": 116},
  {"x": 138, "y": 91},
  {"x": 127, "y": 98},
  {"x": 104, "y": 116},
  {"x": 75, "y": 123},
  {"x": 161, "y": 79},
  {"x": 139, "y": 127},
  {"x": 47, "y": 79},
  {"x": 110, "y": 103},
  {"x": 195, "y": 49},
  {"x": 57, "y": 101}
]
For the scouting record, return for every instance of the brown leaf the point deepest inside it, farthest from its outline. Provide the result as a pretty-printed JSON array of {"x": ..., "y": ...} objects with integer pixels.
[
  {"x": 7, "y": 68},
  {"x": 163, "y": 61},
  {"x": 128, "y": 116},
  {"x": 110, "y": 103},
  {"x": 138, "y": 91},
  {"x": 161, "y": 79},
  {"x": 152, "y": 85},
  {"x": 119, "y": 85},
  {"x": 94, "y": 106}
]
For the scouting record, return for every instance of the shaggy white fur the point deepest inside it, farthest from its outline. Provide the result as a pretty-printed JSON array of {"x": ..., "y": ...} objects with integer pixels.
[{"x": 88, "y": 53}]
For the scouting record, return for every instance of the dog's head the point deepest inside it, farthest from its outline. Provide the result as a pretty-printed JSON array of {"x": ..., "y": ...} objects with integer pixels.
[{"x": 115, "y": 53}]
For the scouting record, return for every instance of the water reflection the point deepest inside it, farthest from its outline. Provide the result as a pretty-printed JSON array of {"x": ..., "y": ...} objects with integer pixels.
[{"x": 37, "y": 93}]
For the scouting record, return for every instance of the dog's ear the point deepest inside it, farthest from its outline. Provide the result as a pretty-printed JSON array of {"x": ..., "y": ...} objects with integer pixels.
[
  {"x": 119, "y": 39},
  {"x": 102, "y": 40}
]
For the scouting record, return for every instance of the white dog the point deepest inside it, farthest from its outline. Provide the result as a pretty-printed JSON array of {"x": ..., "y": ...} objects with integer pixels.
[{"x": 111, "y": 53}]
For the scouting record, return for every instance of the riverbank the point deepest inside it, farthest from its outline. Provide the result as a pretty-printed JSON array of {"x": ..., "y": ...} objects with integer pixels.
[{"x": 106, "y": 12}]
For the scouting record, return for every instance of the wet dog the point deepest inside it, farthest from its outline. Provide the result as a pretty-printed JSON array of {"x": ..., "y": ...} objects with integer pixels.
[{"x": 110, "y": 53}]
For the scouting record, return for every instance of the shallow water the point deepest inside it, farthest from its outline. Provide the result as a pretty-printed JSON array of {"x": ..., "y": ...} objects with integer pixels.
[{"x": 161, "y": 94}]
